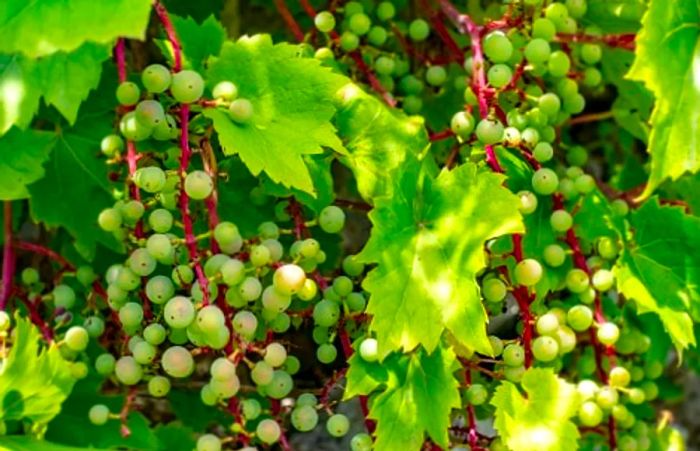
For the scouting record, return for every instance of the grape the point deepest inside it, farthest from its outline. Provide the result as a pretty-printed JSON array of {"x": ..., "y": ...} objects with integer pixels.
[
  {"x": 418, "y": 30},
  {"x": 251, "y": 409},
  {"x": 150, "y": 179},
  {"x": 150, "y": 113},
  {"x": 225, "y": 388},
  {"x": 574, "y": 104},
  {"x": 326, "y": 353},
  {"x": 111, "y": 145},
  {"x": 561, "y": 220},
  {"x": 589, "y": 414},
  {"x": 144, "y": 352},
  {"x": 436, "y": 75},
  {"x": 499, "y": 75},
  {"x": 128, "y": 371},
  {"x": 338, "y": 425},
  {"x": 326, "y": 313},
  {"x": 547, "y": 324},
  {"x": 77, "y": 338},
  {"x": 543, "y": 28},
  {"x": 241, "y": 111},
  {"x": 497, "y": 47},
  {"x": 128, "y": 93},
  {"x": 369, "y": 350},
  {"x": 606, "y": 398},
  {"x": 528, "y": 202},
  {"x": 109, "y": 220},
  {"x": 275, "y": 354},
  {"x": 63, "y": 296},
  {"x": 179, "y": 312},
  {"x": 580, "y": 318},
  {"x": 603, "y": 280},
  {"x": 577, "y": 280},
  {"x": 361, "y": 442},
  {"x": 210, "y": 318},
  {"x": 141, "y": 262},
  {"x": 489, "y": 131},
  {"x": 513, "y": 355},
  {"x": 514, "y": 373},
  {"x": 187, "y": 86},
  {"x": 608, "y": 333},
  {"x": 377, "y": 36},
  {"x": 537, "y": 51},
  {"x": 543, "y": 152},
  {"x": 280, "y": 386},
  {"x": 591, "y": 53},
  {"x": 558, "y": 63},
  {"x": 566, "y": 338},
  {"x": 156, "y": 78},
  {"x": 226, "y": 233},
  {"x": 530, "y": 136},
  {"x": 307, "y": 399},
  {"x": 250, "y": 289},
  {"x": 154, "y": 334},
  {"x": 545, "y": 181},
  {"x": 359, "y": 24},
  {"x": 177, "y": 362},
  {"x": 304, "y": 418},
  {"x": 245, "y": 323},
  {"x": 208, "y": 442},
  {"x": 577, "y": 156},
  {"x": 477, "y": 394},
  {"x": 98, "y": 414},
  {"x": 324, "y": 21},
  {"x": 159, "y": 289},
  {"x": 225, "y": 90},
  {"x": 104, "y": 364},
  {"x": 131, "y": 315},
  {"x": 636, "y": 395},
  {"x": 619, "y": 377},
  {"x": 549, "y": 104},
  {"x": 198, "y": 185},
  {"x": 554, "y": 255},
  {"x": 262, "y": 373},
  {"x": 268, "y": 431},
  {"x": 494, "y": 290},
  {"x": 133, "y": 129},
  {"x": 159, "y": 246},
  {"x": 528, "y": 272},
  {"x": 545, "y": 349}
]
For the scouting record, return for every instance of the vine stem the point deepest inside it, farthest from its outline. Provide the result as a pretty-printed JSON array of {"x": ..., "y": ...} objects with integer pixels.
[
  {"x": 36, "y": 318},
  {"x": 162, "y": 14},
  {"x": 8, "y": 257},
  {"x": 623, "y": 40},
  {"x": 472, "y": 434},
  {"x": 124, "y": 413},
  {"x": 288, "y": 18}
]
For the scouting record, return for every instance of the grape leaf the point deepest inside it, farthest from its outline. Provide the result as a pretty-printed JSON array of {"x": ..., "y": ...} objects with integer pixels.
[
  {"x": 540, "y": 420},
  {"x": 199, "y": 41},
  {"x": 33, "y": 391},
  {"x": 174, "y": 436},
  {"x": 615, "y": 16},
  {"x": 666, "y": 54},
  {"x": 42, "y": 27},
  {"x": 660, "y": 267},
  {"x": 427, "y": 264},
  {"x": 379, "y": 140},
  {"x": 22, "y": 155},
  {"x": 292, "y": 104},
  {"x": 419, "y": 393},
  {"x": 64, "y": 80},
  {"x": 27, "y": 443},
  {"x": 320, "y": 171}
]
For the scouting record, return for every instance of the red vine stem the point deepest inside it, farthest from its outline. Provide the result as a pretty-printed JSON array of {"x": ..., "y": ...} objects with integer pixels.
[
  {"x": 162, "y": 14},
  {"x": 472, "y": 433},
  {"x": 45, "y": 251},
  {"x": 292, "y": 24},
  {"x": 35, "y": 317},
  {"x": 124, "y": 413},
  {"x": 8, "y": 257},
  {"x": 623, "y": 41}
]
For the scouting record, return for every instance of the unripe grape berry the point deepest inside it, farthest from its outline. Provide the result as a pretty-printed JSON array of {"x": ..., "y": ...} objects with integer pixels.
[
  {"x": 619, "y": 377},
  {"x": 603, "y": 280},
  {"x": 608, "y": 333},
  {"x": 177, "y": 362},
  {"x": 561, "y": 220},
  {"x": 198, "y": 185},
  {"x": 150, "y": 113},
  {"x": 537, "y": 51},
  {"x": 543, "y": 28},
  {"x": 77, "y": 338},
  {"x": 494, "y": 290},
  {"x": 275, "y": 354},
  {"x": 477, "y": 394},
  {"x": 63, "y": 296},
  {"x": 590, "y": 414},
  {"x": 338, "y": 425},
  {"x": 208, "y": 442},
  {"x": 547, "y": 324},
  {"x": 528, "y": 202},
  {"x": 584, "y": 184},
  {"x": 128, "y": 93},
  {"x": 489, "y": 131},
  {"x": 607, "y": 397},
  {"x": 368, "y": 350},
  {"x": 156, "y": 78},
  {"x": 241, "y": 111},
  {"x": 528, "y": 272},
  {"x": 98, "y": 414},
  {"x": 268, "y": 431},
  {"x": 225, "y": 90},
  {"x": 554, "y": 255},
  {"x": 111, "y": 145},
  {"x": 577, "y": 280},
  {"x": 324, "y": 21},
  {"x": 513, "y": 355},
  {"x": 579, "y": 318},
  {"x": 545, "y": 348},
  {"x": 104, "y": 364},
  {"x": 304, "y": 418},
  {"x": 331, "y": 219},
  {"x": 462, "y": 124},
  {"x": 436, "y": 75},
  {"x": 326, "y": 353},
  {"x": 187, "y": 86},
  {"x": 109, "y": 220},
  {"x": 150, "y": 179},
  {"x": 499, "y": 75},
  {"x": 543, "y": 152},
  {"x": 128, "y": 371},
  {"x": 359, "y": 24},
  {"x": 497, "y": 47},
  {"x": 418, "y": 30},
  {"x": 545, "y": 181},
  {"x": 558, "y": 63}
]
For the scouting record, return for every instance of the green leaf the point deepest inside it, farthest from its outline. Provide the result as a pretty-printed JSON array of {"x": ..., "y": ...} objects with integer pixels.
[
  {"x": 379, "y": 140},
  {"x": 64, "y": 80},
  {"x": 659, "y": 267},
  {"x": 541, "y": 419},
  {"x": 34, "y": 381},
  {"x": 26, "y": 443},
  {"x": 199, "y": 41},
  {"x": 175, "y": 437},
  {"x": 666, "y": 54},
  {"x": 43, "y": 27},
  {"x": 320, "y": 171},
  {"x": 22, "y": 156},
  {"x": 427, "y": 264},
  {"x": 615, "y": 16},
  {"x": 291, "y": 96},
  {"x": 419, "y": 393}
]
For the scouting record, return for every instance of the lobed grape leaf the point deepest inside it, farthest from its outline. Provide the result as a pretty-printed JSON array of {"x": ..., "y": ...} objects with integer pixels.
[
  {"x": 33, "y": 391},
  {"x": 541, "y": 419},
  {"x": 615, "y": 16},
  {"x": 42, "y": 27},
  {"x": 660, "y": 267},
  {"x": 291, "y": 96},
  {"x": 22, "y": 155},
  {"x": 427, "y": 264},
  {"x": 379, "y": 140},
  {"x": 63, "y": 80},
  {"x": 199, "y": 41},
  {"x": 419, "y": 393},
  {"x": 666, "y": 54}
]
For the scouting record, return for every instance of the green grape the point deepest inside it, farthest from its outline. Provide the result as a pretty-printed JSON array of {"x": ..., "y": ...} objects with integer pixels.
[
  {"x": 250, "y": 289},
  {"x": 418, "y": 30},
  {"x": 179, "y": 312},
  {"x": 280, "y": 385},
  {"x": 603, "y": 280},
  {"x": 513, "y": 355},
  {"x": 326, "y": 313},
  {"x": 304, "y": 418},
  {"x": 577, "y": 156},
  {"x": 241, "y": 111},
  {"x": 338, "y": 425},
  {"x": 30, "y": 276},
  {"x": 412, "y": 104},
  {"x": 584, "y": 184},
  {"x": 359, "y": 24},
  {"x": 620, "y": 207},
  {"x": 352, "y": 266},
  {"x": 385, "y": 11},
  {"x": 150, "y": 113},
  {"x": 111, "y": 145},
  {"x": 159, "y": 289},
  {"x": 94, "y": 325},
  {"x": 477, "y": 394},
  {"x": 307, "y": 399},
  {"x": 543, "y": 152},
  {"x": 275, "y": 354},
  {"x": 232, "y": 272},
  {"x": 128, "y": 371},
  {"x": 530, "y": 136},
  {"x": 309, "y": 248},
  {"x": 361, "y": 442},
  {"x": 547, "y": 324},
  {"x": 574, "y": 104},
  {"x": 592, "y": 77},
  {"x": 141, "y": 262},
  {"x": 262, "y": 373},
  {"x": 591, "y": 53},
  {"x": 494, "y": 290},
  {"x": 251, "y": 409},
  {"x": 210, "y": 318},
  {"x": 497, "y": 47},
  {"x": 187, "y": 86},
  {"x": 561, "y": 220},
  {"x": 159, "y": 246},
  {"x": 554, "y": 255},
  {"x": 558, "y": 63},
  {"x": 499, "y": 75},
  {"x": 537, "y": 51},
  {"x": 619, "y": 377},
  {"x": 590, "y": 414},
  {"x": 150, "y": 179},
  {"x": 225, "y": 90},
  {"x": 369, "y": 350},
  {"x": 132, "y": 211},
  {"x": 177, "y": 362},
  {"x": 63, "y": 296},
  {"x": 126, "y": 279},
  {"x": 156, "y": 78},
  {"x": 292, "y": 365},
  {"x": 109, "y": 220},
  {"x": 104, "y": 364},
  {"x": 514, "y": 373},
  {"x": 98, "y": 414},
  {"x": 636, "y": 396},
  {"x": 528, "y": 272},
  {"x": 528, "y": 202},
  {"x": 377, "y": 36},
  {"x": 131, "y": 315},
  {"x": 545, "y": 348},
  {"x": 326, "y": 353},
  {"x": 349, "y": 41},
  {"x": 436, "y": 75},
  {"x": 384, "y": 65},
  {"x": 208, "y": 442},
  {"x": 580, "y": 318},
  {"x": 226, "y": 388},
  {"x": 496, "y": 345},
  {"x": 198, "y": 185},
  {"x": 587, "y": 389},
  {"x": 268, "y": 431},
  {"x": 545, "y": 181},
  {"x": 576, "y": 8},
  {"x": 342, "y": 285},
  {"x": 608, "y": 333},
  {"x": 489, "y": 131},
  {"x": 207, "y": 396},
  {"x": 607, "y": 248},
  {"x": 566, "y": 338},
  {"x": 607, "y": 397},
  {"x": 577, "y": 280},
  {"x": 128, "y": 93},
  {"x": 356, "y": 302},
  {"x": 133, "y": 129},
  {"x": 77, "y": 338},
  {"x": 324, "y": 21},
  {"x": 549, "y": 104},
  {"x": 166, "y": 129},
  {"x": 226, "y": 233},
  {"x": 245, "y": 323},
  {"x": 154, "y": 334},
  {"x": 160, "y": 220},
  {"x": 144, "y": 352},
  {"x": 511, "y": 136}
]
